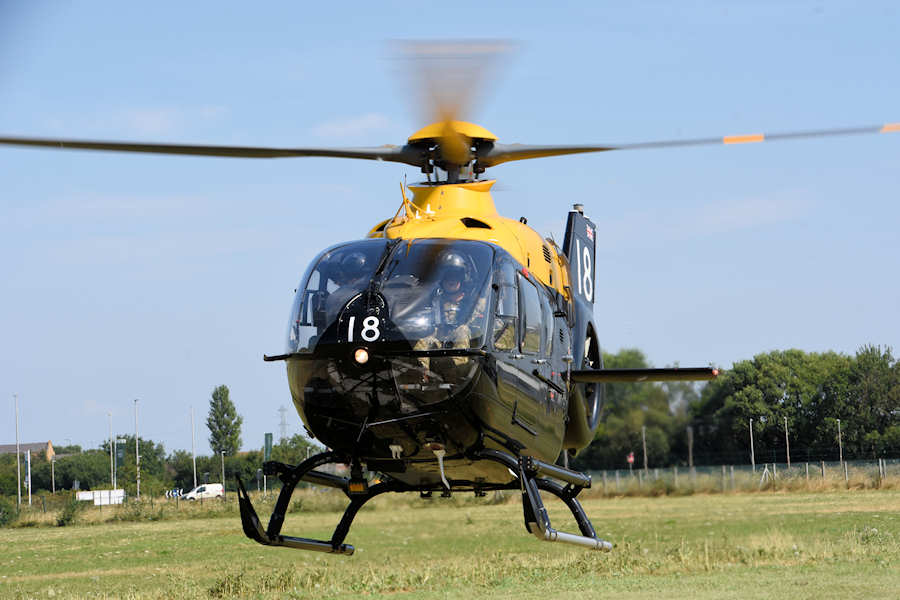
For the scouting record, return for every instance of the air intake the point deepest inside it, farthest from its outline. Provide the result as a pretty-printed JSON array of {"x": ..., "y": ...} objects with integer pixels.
[{"x": 474, "y": 223}]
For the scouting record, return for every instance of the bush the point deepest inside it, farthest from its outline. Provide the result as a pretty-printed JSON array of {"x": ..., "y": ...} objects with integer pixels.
[
  {"x": 7, "y": 511},
  {"x": 138, "y": 511},
  {"x": 69, "y": 512}
]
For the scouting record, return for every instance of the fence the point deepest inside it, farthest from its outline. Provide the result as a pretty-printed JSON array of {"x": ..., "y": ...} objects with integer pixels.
[{"x": 745, "y": 477}]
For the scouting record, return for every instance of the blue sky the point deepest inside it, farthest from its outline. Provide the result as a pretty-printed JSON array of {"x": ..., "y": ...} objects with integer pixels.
[{"x": 130, "y": 276}]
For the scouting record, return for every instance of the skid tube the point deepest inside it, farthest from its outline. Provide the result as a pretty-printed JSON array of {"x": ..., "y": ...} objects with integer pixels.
[
  {"x": 290, "y": 476},
  {"x": 526, "y": 469}
]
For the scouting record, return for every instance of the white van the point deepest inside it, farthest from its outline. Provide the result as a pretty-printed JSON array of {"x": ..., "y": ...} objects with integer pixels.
[{"x": 207, "y": 490}]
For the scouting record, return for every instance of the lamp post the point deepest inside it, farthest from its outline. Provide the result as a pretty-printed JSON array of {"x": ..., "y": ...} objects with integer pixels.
[
  {"x": 112, "y": 471},
  {"x": 752, "y": 456},
  {"x": 18, "y": 459},
  {"x": 222, "y": 454},
  {"x": 193, "y": 451},
  {"x": 28, "y": 477},
  {"x": 787, "y": 444},
  {"x": 137, "y": 454},
  {"x": 644, "y": 443},
  {"x": 840, "y": 445}
]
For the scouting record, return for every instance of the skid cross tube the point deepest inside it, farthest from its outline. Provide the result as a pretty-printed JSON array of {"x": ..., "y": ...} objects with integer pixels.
[
  {"x": 290, "y": 477},
  {"x": 538, "y": 467},
  {"x": 537, "y": 521}
]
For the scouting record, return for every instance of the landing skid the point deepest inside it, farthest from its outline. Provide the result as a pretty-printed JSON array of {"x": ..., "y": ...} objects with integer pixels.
[{"x": 533, "y": 476}]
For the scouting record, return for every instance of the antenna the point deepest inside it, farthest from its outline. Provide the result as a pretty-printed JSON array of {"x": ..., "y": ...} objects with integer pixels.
[{"x": 282, "y": 426}]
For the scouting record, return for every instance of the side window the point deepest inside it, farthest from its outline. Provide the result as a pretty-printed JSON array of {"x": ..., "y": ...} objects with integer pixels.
[
  {"x": 506, "y": 319},
  {"x": 547, "y": 314},
  {"x": 531, "y": 317}
]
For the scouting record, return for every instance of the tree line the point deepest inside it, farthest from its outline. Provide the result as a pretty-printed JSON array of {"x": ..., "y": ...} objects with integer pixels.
[
  {"x": 809, "y": 392},
  {"x": 812, "y": 394},
  {"x": 90, "y": 468}
]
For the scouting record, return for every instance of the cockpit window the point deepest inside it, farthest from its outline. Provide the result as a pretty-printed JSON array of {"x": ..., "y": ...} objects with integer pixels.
[
  {"x": 333, "y": 278},
  {"x": 437, "y": 292}
]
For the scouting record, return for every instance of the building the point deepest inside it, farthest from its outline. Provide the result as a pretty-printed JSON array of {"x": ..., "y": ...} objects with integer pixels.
[{"x": 46, "y": 448}]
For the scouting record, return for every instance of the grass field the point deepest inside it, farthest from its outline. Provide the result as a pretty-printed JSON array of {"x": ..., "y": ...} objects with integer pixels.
[{"x": 767, "y": 545}]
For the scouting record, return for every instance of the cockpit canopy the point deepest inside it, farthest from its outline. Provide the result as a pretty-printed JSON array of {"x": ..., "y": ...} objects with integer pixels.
[{"x": 437, "y": 292}]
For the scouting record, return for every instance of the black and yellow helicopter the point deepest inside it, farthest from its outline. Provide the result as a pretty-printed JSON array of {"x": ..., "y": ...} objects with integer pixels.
[{"x": 452, "y": 349}]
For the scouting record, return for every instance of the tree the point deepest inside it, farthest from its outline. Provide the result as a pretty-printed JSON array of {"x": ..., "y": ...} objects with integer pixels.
[
  {"x": 630, "y": 407},
  {"x": 224, "y": 423},
  {"x": 294, "y": 450},
  {"x": 812, "y": 391}
]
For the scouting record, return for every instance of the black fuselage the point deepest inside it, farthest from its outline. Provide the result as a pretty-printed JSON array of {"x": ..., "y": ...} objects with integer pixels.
[{"x": 423, "y": 385}]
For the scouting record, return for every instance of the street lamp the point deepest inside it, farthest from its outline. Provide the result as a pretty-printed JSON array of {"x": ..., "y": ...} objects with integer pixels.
[
  {"x": 137, "y": 454},
  {"x": 18, "y": 460}
]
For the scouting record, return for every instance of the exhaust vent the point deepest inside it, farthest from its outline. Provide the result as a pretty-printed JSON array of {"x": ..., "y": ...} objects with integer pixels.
[
  {"x": 474, "y": 223},
  {"x": 547, "y": 255}
]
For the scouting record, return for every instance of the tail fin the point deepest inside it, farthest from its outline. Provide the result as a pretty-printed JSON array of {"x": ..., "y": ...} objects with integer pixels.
[{"x": 580, "y": 248}]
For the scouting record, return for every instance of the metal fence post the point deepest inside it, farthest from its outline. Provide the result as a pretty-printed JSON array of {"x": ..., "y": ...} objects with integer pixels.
[
  {"x": 604, "y": 483},
  {"x": 675, "y": 476},
  {"x": 733, "y": 486},
  {"x": 823, "y": 469},
  {"x": 617, "y": 481},
  {"x": 724, "y": 485}
]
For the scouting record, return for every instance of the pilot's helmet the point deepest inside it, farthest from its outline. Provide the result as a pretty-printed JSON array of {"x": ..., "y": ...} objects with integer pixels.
[
  {"x": 453, "y": 269},
  {"x": 353, "y": 266}
]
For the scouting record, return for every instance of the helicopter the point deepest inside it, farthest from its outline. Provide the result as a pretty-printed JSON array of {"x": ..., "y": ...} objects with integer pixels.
[{"x": 451, "y": 349}]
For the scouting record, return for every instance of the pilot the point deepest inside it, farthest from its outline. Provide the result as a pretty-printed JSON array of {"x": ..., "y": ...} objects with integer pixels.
[
  {"x": 350, "y": 276},
  {"x": 451, "y": 302}
]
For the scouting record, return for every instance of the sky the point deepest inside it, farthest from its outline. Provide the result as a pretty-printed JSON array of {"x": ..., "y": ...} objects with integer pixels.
[{"x": 158, "y": 278}]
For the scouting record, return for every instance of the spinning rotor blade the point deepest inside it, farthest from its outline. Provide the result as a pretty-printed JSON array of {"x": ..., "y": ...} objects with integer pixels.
[
  {"x": 501, "y": 153},
  {"x": 447, "y": 77},
  {"x": 398, "y": 154}
]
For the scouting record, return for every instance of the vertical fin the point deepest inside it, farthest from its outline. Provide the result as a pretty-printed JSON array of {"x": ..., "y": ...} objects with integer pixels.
[{"x": 580, "y": 247}]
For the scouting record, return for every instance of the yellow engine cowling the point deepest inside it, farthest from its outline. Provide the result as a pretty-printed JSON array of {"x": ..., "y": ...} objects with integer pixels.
[{"x": 467, "y": 211}]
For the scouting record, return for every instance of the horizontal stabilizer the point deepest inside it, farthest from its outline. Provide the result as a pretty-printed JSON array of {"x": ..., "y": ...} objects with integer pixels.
[{"x": 636, "y": 375}]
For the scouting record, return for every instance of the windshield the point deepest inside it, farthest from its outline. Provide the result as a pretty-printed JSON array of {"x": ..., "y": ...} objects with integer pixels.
[
  {"x": 437, "y": 292},
  {"x": 333, "y": 278}
]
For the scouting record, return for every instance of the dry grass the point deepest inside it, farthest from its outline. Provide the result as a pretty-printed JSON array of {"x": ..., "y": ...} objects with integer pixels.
[
  {"x": 743, "y": 481},
  {"x": 702, "y": 545},
  {"x": 318, "y": 500}
]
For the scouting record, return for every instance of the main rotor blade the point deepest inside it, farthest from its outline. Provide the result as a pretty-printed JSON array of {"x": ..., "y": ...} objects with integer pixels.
[
  {"x": 501, "y": 153},
  {"x": 404, "y": 154},
  {"x": 447, "y": 76}
]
